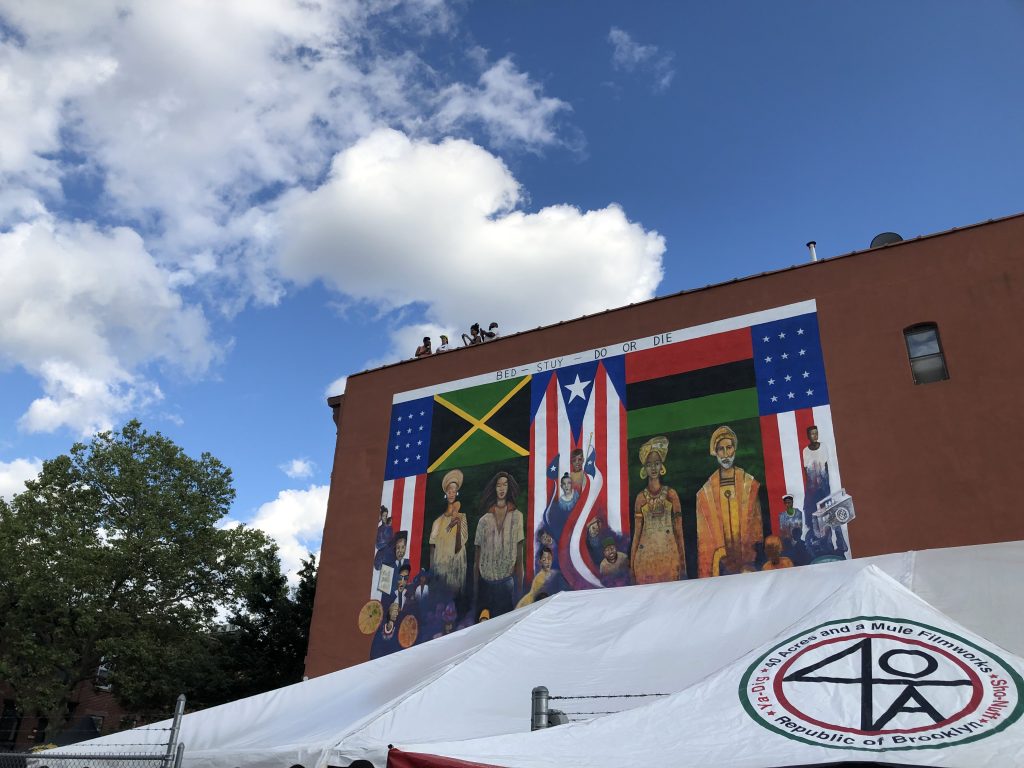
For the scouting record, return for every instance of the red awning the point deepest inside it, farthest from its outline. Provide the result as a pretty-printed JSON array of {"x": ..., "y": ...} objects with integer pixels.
[{"x": 399, "y": 759}]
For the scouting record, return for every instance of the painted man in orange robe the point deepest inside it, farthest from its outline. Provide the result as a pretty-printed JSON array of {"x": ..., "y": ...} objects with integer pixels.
[{"x": 728, "y": 513}]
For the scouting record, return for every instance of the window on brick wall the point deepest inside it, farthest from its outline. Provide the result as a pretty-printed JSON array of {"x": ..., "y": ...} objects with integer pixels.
[{"x": 924, "y": 347}]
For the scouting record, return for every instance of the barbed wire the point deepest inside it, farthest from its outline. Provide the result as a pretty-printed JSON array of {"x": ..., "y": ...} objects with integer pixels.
[
  {"x": 47, "y": 755},
  {"x": 117, "y": 744},
  {"x": 610, "y": 696},
  {"x": 612, "y": 712}
]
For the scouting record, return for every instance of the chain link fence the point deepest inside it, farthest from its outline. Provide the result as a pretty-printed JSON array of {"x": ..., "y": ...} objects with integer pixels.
[{"x": 145, "y": 747}]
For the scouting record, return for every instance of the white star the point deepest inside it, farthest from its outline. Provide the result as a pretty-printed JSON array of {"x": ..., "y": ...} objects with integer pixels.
[
  {"x": 396, "y": 446},
  {"x": 396, "y": 462},
  {"x": 417, "y": 457},
  {"x": 782, "y": 335},
  {"x": 406, "y": 445},
  {"x": 765, "y": 339},
  {"x": 771, "y": 382},
  {"x": 399, "y": 432},
  {"x": 799, "y": 331},
  {"x": 409, "y": 430},
  {"x": 806, "y": 374},
  {"x": 421, "y": 428},
  {"x": 419, "y": 442},
  {"x": 551, "y": 468},
  {"x": 791, "y": 395},
  {"x": 775, "y": 399},
  {"x": 768, "y": 359},
  {"x": 785, "y": 355},
  {"x": 577, "y": 388},
  {"x": 423, "y": 413},
  {"x": 803, "y": 352},
  {"x": 788, "y": 377},
  {"x": 810, "y": 391},
  {"x": 399, "y": 418},
  {"x": 406, "y": 459}
]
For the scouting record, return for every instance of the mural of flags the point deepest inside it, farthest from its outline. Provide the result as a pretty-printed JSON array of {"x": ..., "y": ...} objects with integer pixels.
[
  {"x": 581, "y": 408},
  {"x": 763, "y": 374},
  {"x": 773, "y": 371}
]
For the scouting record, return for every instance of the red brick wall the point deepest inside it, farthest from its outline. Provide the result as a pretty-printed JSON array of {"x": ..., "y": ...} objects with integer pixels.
[{"x": 927, "y": 465}]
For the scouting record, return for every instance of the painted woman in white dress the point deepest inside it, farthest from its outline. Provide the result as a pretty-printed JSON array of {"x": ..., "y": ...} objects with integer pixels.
[{"x": 448, "y": 537}]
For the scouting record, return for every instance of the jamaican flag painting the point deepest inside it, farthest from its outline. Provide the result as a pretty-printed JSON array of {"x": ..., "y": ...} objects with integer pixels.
[{"x": 480, "y": 425}]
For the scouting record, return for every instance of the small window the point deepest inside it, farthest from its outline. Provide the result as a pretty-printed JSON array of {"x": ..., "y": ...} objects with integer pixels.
[
  {"x": 102, "y": 680},
  {"x": 927, "y": 362}
]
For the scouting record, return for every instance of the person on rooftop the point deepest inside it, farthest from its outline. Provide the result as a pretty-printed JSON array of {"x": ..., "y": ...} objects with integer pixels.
[
  {"x": 424, "y": 349},
  {"x": 474, "y": 337},
  {"x": 443, "y": 346},
  {"x": 490, "y": 333}
]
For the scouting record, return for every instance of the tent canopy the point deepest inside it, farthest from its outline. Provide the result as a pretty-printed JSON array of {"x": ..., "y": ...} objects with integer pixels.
[
  {"x": 873, "y": 671},
  {"x": 663, "y": 638}
]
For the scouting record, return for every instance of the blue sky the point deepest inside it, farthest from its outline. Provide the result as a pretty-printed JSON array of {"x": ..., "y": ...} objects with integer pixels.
[{"x": 211, "y": 213}]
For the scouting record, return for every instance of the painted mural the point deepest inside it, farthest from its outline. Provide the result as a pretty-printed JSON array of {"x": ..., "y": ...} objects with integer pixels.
[{"x": 698, "y": 452}]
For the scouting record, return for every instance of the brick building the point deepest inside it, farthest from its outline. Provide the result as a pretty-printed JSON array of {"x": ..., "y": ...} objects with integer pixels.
[{"x": 917, "y": 369}]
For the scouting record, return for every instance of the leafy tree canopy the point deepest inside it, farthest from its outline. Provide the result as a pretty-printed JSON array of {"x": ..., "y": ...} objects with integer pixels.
[
  {"x": 263, "y": 644},
  {"x": 117, "y": 554}
]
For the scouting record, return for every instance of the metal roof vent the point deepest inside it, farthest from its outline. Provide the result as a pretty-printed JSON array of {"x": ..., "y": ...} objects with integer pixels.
[{"x": 886, "y": 238}]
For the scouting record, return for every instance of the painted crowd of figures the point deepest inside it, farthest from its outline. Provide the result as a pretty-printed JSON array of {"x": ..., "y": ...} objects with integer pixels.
[{"x": 463, "y": 581}]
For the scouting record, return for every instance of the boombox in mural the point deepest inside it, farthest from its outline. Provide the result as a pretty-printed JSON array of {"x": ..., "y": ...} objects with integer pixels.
[{"x": 700, "y": 452}]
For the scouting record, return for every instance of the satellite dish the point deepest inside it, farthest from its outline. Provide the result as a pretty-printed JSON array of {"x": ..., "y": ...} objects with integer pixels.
[{"x": 886, "y": 238}]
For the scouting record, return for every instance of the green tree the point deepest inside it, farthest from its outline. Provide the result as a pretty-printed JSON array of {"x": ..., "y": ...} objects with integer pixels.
[
  {"x": 263, "y": 644},
  {"x": 116, "y": 554}
]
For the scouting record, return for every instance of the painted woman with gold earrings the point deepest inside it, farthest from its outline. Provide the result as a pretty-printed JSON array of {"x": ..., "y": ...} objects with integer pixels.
[{"x": 657, "y": 553}]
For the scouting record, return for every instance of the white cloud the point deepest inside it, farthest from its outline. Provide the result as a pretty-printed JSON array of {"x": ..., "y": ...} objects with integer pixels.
[
  {"x": 401, "y": 221},
  {"x": 193, "y": 117},
  {"x": 510, "y": 106},
  {"x": 297, "y": 468},
  {"x": 336, "y": 387},
  {"x": 630, "y": 56},
  {"x": 84, "y": 310},
  {"x": 33, "y": 95},
  {"x": 192, "y": 111},
  {"x": 295, "y": 520},
  {"x": 13, "y": 475}
]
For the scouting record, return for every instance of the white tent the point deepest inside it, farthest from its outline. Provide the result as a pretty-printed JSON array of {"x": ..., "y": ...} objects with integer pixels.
[
  {"x": 654, "y": 639},
  {"x": 873, "y": 672}
]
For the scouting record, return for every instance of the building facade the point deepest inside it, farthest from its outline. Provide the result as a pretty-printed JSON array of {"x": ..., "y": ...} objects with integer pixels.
[{"x": 853, "y": 406}]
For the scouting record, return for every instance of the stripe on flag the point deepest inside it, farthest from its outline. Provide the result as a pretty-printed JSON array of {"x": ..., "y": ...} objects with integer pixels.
[
  {"x": 572, "y": 549},
  {"x": 823, "y": 421},
  {"x": 692, "y": 355},
  {"x": 405, "y": 498},
  {"x": 784, "y": 436}
]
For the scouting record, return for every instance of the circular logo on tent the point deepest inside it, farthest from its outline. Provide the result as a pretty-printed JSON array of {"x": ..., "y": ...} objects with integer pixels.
[{"x": 876, "y": 683}]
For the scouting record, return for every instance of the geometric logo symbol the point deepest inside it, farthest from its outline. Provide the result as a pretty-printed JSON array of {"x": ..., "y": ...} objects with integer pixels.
[{"x": 876, "y": 683}]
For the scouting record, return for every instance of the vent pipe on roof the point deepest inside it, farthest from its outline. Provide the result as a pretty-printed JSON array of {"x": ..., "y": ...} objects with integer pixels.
[{"x": 810, "y": 247}]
